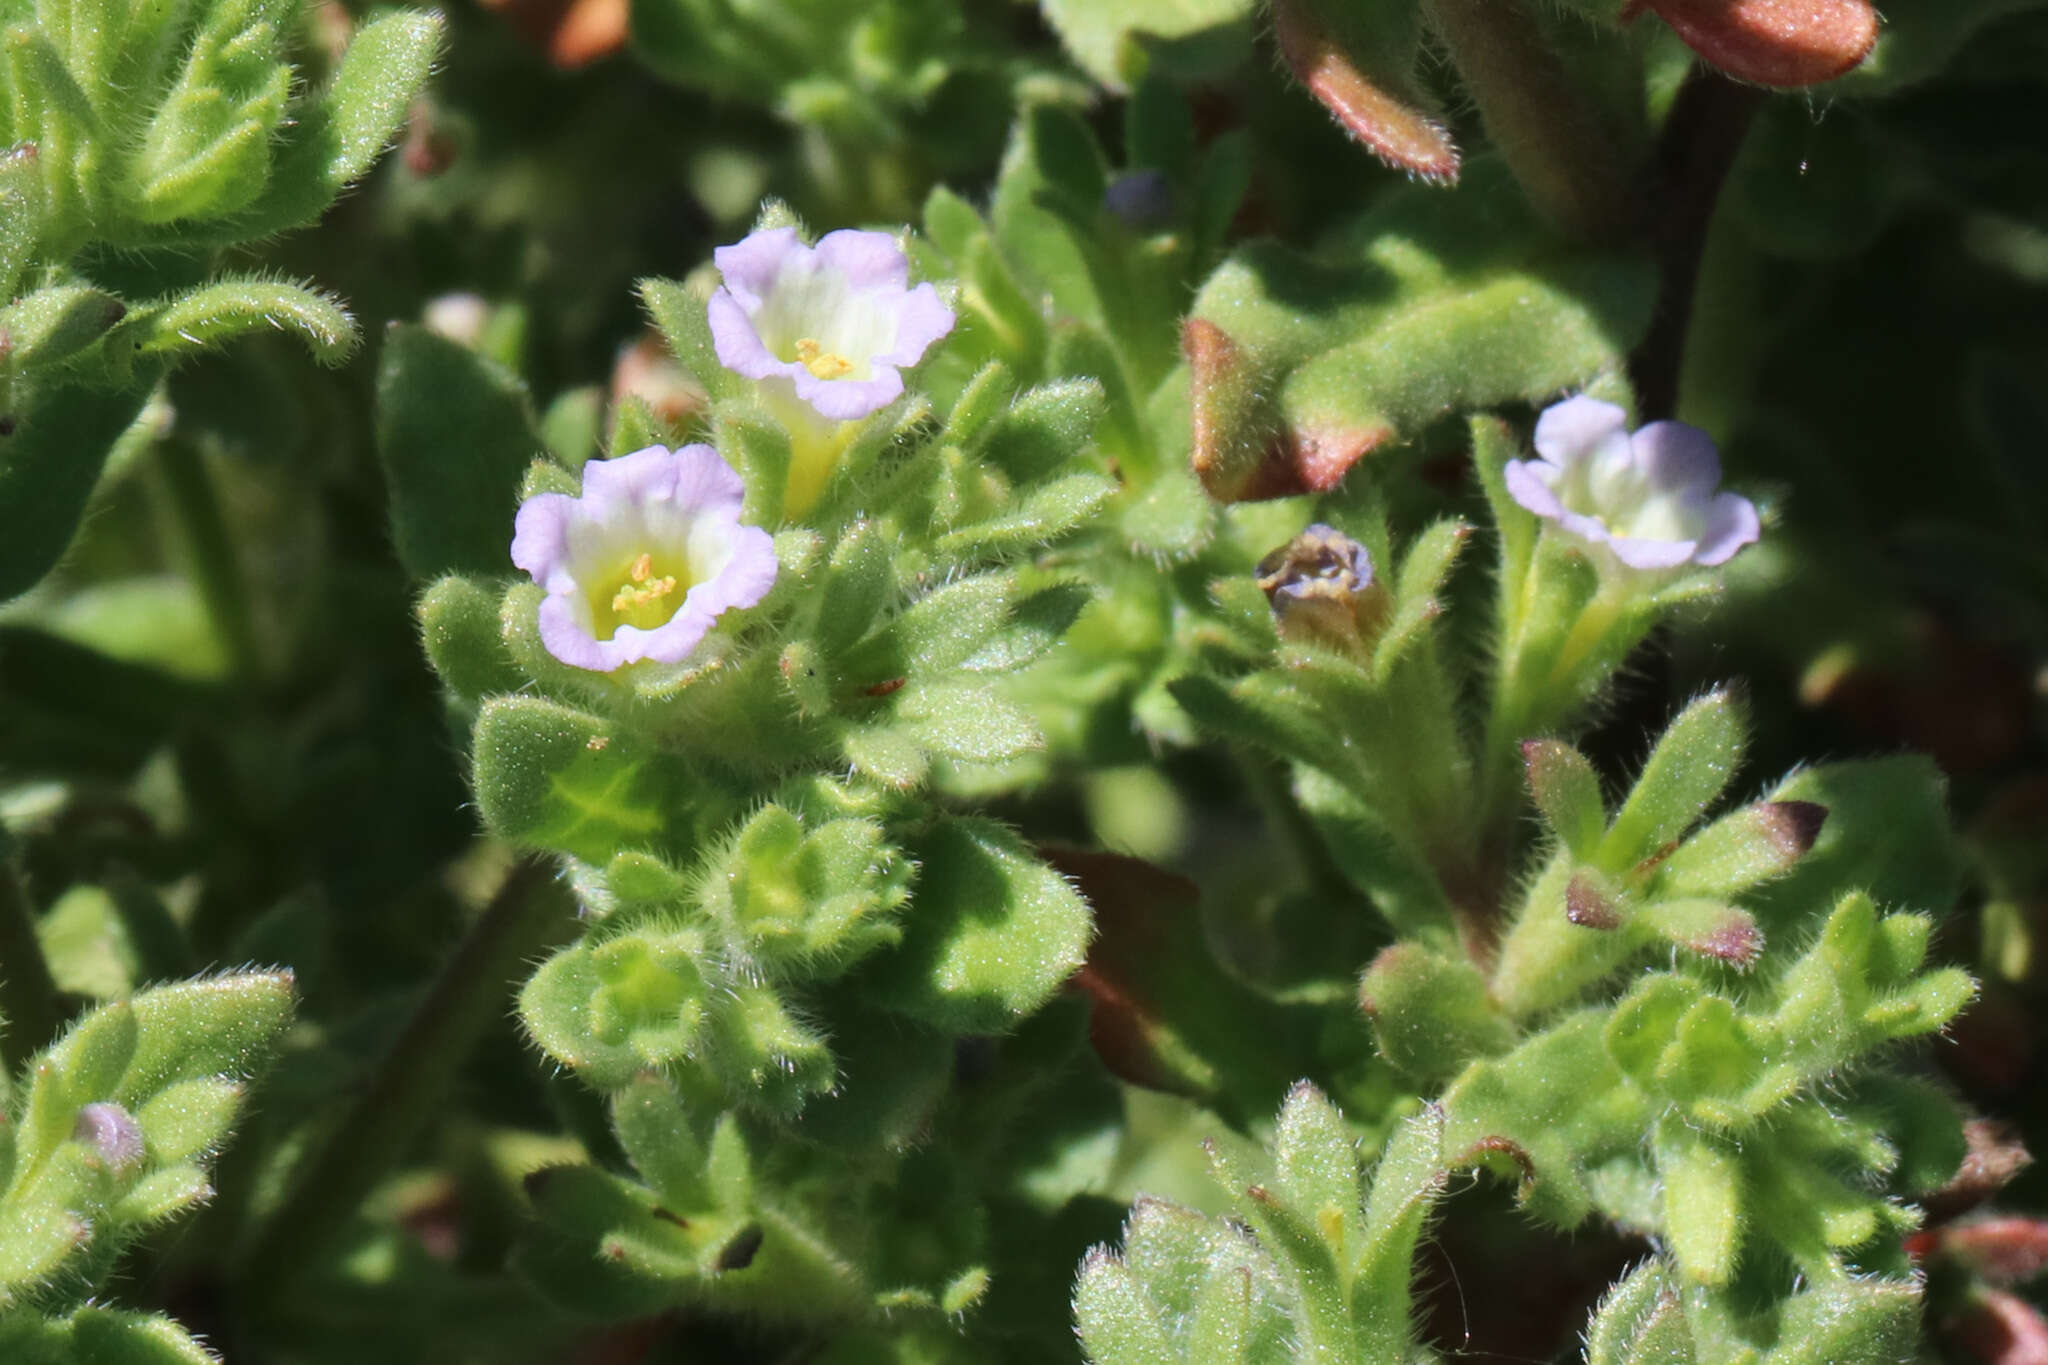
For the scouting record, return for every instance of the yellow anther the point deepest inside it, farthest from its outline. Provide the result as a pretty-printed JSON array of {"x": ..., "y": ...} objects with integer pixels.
[
  {"x": 821, "y": 362},
  {"x": 630, "y": 598}
]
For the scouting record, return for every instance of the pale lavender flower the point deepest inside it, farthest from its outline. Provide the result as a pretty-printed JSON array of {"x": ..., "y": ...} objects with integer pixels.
[
  {"x": 113, "y": 1135},
  {"x": 641, "y": 564},
  {"x": 1649, "y": 497},
  {"x": 837, "y": 320}
]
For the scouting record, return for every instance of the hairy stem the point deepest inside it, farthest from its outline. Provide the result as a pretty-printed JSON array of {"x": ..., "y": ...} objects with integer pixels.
[
  {"x": 1704, "y": 131},
  {"x": 28, "y": 996},
  {"x": 215, "y": 567},
  {"x": 1270, "y": 787},
  {"x": 411, "y": 1082},
  {"x": 1569, "y": 161}
]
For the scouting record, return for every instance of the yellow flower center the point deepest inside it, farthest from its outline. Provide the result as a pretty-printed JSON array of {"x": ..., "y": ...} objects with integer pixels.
[
  {"x": 641, "y": 600},
  {"x": 820, "y": 362}
]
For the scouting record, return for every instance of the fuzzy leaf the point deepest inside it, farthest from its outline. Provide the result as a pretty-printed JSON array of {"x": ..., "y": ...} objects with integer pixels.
[
  {"x": 459, "y": 624},
  {"x": 455, "y": 433},
  {"x": 219, "y": 312},
  {"x": 1887, "y": 832},
  {"x": 1693, "y": 762},
  {"x": 1040, "y": 516},
  {"x": 1116, "y": 43},
  {"x": 1430, "y": 1013},
  {"x": 1703, "y": 1202},
  {"x": 47, "y": 325},
  {"x": 189, "y": 1119},
  {"x": 991, "y": 933},
  {"x": 1743, "y": 849},
  {"x": 1640, "y": 1322},
  {"x": 335, "y": 138},
  {"x": 49, "y": 464},
  {"x": 965, "y": 722},
  {"x": 1567, "y": 793},
  {"x": 1361, "y": 62},
  {"x": 1302, "y": 366},
  {"x": 1045, "y": 428},
  {"x": 548, "y": 776}
]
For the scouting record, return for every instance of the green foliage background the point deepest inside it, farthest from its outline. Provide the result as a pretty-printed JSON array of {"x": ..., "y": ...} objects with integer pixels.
[{"x": 1019, "y": 945}]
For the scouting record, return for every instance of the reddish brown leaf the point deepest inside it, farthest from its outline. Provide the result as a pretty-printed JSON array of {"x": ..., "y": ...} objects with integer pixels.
[
  {"x": 2000, "y": 1329},
  {"x": 1785, "y": 43},
  {"x": 1996, "y": 1155},
  {"x": 2001, "y": 1250},
  {"x": 1390, "y": 125}
]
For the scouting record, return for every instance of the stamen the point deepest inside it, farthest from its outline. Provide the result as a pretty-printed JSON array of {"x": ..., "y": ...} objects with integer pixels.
[
  {"x": 821, "y": 362},
  {"x": 631, "y": 598}
]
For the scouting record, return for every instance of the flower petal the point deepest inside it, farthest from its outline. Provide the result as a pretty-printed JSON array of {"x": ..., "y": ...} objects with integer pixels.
[
  {"x": 703, "y": 480},
  {"x": 867, "y": 260},
  {"x": 1732, "y": 523},
  {"x": 1676, "y": 456},
  {"x": 1652, "y": 554},
  {"x": 1577, "y": 427},
  {"x": 738, "y": 345},
  {"x": 540, "y": 538},
  {"x": 627, "y": 481},
  {"x": 1527, "y": 486},
  {"x": 749, "y": 266},
  {"x": 848, "y": 400},
  {"x": 746, "y": 578},
  {"x": 921, "y": 319},
  {"x": 669, "y": 643},
  {"x": 566, "y": 634}
]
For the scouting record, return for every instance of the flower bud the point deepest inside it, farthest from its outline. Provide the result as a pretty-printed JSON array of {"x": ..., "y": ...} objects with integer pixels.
[
  {"x": 1142, "y": 200},
  {"x": 1322, "y": 589},
  {"x": 113, "y": 1134}
]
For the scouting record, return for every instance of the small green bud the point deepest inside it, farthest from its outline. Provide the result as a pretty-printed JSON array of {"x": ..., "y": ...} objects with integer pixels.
[
  {"x": 1430, "y": 1014},
  {"x": 614, "y": 1009},
  {"x": 767, "y": 1056},
  {"x": 812, "y": 901}
]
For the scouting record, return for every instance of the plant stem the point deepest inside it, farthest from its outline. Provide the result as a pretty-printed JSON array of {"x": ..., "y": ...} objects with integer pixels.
[
  {"x": 1568, "y": 160},
  {"x": 1702, "y": 134},
  {"x": 215, "y": 566},
  {"x": 1270, "y": 788},
  {"x": 28, "y": 995},
  {"x": 411, "y": 1083}
]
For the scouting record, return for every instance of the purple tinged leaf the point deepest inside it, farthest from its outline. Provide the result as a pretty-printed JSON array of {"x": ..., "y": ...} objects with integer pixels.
[
  {"x": 1588, "y": 906},
  {"x": 1379, "y": 108}
]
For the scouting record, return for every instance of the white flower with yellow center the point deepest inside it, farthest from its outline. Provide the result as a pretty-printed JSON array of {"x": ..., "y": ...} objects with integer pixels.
[{"x": 644, "y": 560}]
